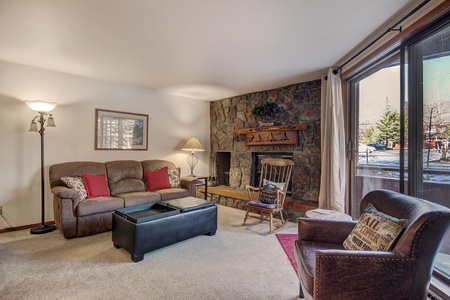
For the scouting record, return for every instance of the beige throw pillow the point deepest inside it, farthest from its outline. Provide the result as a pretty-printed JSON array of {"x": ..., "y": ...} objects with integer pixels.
[
  {"x": 77, "y": 184},
  {"x": 375, "y": 231},
  {"x": 279, "y": 185},
  {"x": 174, "y": 177}
]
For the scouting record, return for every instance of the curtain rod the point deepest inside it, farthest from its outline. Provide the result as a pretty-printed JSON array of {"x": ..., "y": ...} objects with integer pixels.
[{"x": 392, "y": 28}]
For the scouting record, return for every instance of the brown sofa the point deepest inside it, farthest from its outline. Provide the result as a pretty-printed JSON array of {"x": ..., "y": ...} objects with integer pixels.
[
  {"x": 126, "y": 183},
  {"x": 327, "y": 271}
]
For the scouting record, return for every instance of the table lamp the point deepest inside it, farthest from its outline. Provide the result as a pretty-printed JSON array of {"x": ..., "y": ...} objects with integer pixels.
[{"x": 193, "y": 144}]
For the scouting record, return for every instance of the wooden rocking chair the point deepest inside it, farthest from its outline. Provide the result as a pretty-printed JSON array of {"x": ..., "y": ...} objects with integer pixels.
[{"x": 268, "y": 199}]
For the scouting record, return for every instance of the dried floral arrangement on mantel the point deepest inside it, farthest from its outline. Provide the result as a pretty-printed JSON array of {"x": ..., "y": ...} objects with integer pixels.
[{"x": 269, "y": 111}]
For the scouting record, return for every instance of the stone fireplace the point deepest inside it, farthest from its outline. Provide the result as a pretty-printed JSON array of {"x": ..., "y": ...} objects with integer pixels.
[{"x": 294, "y": 104}]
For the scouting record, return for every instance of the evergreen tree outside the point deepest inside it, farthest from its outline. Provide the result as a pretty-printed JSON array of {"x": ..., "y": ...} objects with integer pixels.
[
  {"x": 389, "y": 126},
  {"x": 369, "y": 135}
]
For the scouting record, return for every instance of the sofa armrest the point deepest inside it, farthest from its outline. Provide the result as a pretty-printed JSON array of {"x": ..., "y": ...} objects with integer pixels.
[
  {"x": 66, "y": 193},
  {"x": 190, "y": 183},
  {"x": 327, "y": 231},
  {"x": 362, "y": 274},
  {"x": 65, "y": 201}
]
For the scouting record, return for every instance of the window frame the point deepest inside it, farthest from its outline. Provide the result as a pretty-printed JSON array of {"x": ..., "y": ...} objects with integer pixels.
[{"x": 403, "y": 45}]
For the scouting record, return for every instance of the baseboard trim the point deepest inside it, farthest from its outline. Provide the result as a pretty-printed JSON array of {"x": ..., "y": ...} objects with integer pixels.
[{"x": 24, "y": 227}]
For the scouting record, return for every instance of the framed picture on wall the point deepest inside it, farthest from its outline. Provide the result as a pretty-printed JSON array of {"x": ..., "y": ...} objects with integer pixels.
[{"x": 117, "y": 130}]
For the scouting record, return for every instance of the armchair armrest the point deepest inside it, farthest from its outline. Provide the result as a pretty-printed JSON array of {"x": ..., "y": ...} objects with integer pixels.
[
  {"x": 281, "y": 195},
  {"x": 362, "y": 274},
  {"x": 251, "y": 190},
  {"x": 328, "y": 231}
]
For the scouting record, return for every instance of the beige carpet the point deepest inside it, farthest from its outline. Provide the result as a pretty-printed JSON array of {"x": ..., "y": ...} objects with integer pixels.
[{"x": 237, "y": 263}]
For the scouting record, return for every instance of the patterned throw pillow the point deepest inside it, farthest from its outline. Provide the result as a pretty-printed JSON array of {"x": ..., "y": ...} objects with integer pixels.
[
  {"x": 375, "y": 231},
  {"x": 77, "y": 184},
  {"x": 174, "y": 178},
  {"x": 268, "y": 194}
]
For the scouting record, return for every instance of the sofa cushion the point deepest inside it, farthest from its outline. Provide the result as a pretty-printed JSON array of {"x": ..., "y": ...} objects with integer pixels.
[
  {"x": 261, "y": 204},
  {"x": 157, "y": 180},
  {"x": 97, "y": 205},
  {"x": 375, "y": 231},
  {"x": 139, "y": 198},
  {"x": 155, "y": 164},
  {"x": 96, "y": 185},
  {"x": 76, "y": 183},
  {"x": 76, "y": 168},
  {"x": 173, "y": 193},
  {"x": 125, "y": 176}
]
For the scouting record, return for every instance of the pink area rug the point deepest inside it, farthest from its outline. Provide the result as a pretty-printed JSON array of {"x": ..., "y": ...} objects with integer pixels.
[{"x": 287, "y": 242}]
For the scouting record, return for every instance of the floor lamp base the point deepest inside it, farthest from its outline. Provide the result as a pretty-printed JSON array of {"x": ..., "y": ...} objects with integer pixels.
[{"x": 42, "y": 229}]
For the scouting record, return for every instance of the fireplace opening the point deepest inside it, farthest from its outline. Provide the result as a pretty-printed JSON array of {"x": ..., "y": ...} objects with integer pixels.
[
  {"x": 223, "y": 168},
  {"x": 256, "y": 166}
]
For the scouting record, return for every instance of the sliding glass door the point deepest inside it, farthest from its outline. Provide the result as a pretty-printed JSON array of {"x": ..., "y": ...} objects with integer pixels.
[
  {"x": 377, "y": 147},
  {"x": 429, "y": 74},
  {"x": 401, "y": 125}
]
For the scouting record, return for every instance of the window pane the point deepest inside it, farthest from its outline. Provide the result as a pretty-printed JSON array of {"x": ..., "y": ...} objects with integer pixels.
[
  {"x": 434, "y": 55},
  {"x": 378, "y": 133}
]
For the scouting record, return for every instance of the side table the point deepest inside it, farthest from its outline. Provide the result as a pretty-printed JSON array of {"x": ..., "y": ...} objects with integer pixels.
[
  {"x": 205, "y": 183},
  {"x": 327, "y": 214}
]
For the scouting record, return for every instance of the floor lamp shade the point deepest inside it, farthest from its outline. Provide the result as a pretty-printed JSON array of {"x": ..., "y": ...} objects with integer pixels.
[
  {"x": 193, "y": 144},
  {"x": 45, "y": 119},
  {"x": 41, "y": 106}
]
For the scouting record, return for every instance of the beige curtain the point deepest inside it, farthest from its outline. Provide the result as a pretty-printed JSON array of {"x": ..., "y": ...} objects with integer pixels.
[{"x": 332, "y": 181}]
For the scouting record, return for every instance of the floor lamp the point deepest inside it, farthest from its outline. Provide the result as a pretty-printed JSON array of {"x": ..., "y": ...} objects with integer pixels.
[
  {"x": 193, "y": 144},
  {"x": 45, "y": 119}
]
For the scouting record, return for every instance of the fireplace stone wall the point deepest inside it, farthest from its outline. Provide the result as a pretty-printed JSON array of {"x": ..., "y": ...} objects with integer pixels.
[{"x": 298, "y": 104}]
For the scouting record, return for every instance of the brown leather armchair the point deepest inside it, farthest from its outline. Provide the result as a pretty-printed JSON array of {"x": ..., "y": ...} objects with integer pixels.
[{"x": 327, "y": 271}]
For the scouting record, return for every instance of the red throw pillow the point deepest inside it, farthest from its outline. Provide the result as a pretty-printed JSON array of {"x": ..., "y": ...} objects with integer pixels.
[
  {"x": 96, "y": 185},
  {"x": 157, "y": 180}
]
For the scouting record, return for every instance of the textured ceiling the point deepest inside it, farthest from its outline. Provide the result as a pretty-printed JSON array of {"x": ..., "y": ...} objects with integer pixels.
[{"x": 202, "y": 49}]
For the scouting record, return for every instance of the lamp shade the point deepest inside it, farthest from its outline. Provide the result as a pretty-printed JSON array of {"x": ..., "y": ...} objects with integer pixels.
[
  {"x": 193, "y": 144},
  {"x": 51, "y": 121},
  {"x": 41, "y": 106},
  {"x": 33, "y": 127}
]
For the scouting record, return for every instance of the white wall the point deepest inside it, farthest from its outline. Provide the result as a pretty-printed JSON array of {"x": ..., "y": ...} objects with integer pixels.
[{"x": 172, "y": 120}]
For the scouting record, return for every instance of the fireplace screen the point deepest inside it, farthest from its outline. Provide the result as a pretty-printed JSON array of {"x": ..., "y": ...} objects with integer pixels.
[{"x": 256, "y": 165}]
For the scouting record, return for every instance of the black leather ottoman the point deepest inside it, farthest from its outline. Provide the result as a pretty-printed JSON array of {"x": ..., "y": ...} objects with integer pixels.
[{"x": 144, "y": 228}]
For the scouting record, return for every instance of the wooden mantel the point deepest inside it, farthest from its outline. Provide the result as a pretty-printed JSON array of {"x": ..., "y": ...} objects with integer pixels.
[{"x": 273, "y": 135}]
